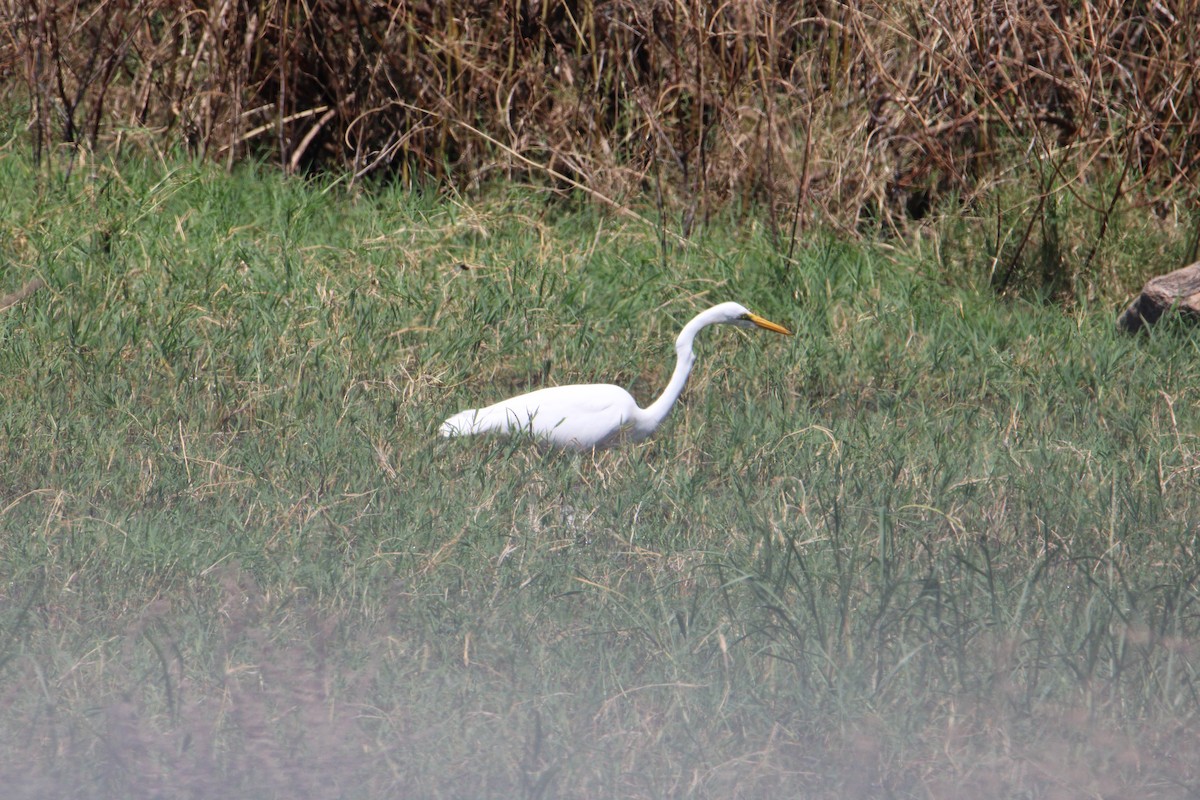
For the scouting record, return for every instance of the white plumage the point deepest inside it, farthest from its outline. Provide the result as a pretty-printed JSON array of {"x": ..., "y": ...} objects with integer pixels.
[{"x": 585, "y": 416}]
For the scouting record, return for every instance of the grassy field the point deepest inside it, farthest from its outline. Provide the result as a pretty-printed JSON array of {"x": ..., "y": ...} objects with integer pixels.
[{"x": 935, "y": 545}]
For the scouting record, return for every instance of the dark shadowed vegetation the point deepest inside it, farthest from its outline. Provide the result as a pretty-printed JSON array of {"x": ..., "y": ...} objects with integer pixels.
[{"x": 831, "y": 112}]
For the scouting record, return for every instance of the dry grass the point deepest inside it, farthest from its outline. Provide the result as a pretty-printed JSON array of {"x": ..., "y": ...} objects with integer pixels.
[{"x": 825, "y": 112}]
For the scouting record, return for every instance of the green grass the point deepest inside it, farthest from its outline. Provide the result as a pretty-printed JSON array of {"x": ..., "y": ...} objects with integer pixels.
[{"x": 935, "y": 545}]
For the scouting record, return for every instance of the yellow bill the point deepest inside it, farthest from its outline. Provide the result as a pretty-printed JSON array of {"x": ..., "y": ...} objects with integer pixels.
[{"x": 766, "y": 323}]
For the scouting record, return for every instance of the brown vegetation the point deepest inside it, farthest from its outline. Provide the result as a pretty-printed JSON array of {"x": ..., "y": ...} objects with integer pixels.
[{"x": 832, "y": 111}]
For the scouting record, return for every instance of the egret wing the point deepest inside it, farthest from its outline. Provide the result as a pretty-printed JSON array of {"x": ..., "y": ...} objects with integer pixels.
[{"x": 581, "y": 416}]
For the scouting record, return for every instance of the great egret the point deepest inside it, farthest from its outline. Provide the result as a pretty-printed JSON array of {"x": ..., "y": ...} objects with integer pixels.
[{"x": 598, "y": 415}]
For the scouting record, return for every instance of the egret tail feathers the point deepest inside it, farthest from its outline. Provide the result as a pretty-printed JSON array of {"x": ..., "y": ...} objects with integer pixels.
[
  {"x": 482, "y": 420},
  {"x": 464, "y": 423}
]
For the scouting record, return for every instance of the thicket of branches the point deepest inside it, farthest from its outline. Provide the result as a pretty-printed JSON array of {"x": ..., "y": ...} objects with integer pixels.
[{"x": 829, "y": 110}]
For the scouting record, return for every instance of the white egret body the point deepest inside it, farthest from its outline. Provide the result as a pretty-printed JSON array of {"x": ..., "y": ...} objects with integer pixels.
[{"x": 585, "y": 416}]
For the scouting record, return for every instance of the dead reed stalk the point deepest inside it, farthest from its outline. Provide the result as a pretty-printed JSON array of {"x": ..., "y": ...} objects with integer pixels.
[{"x": 834, "y": 112}]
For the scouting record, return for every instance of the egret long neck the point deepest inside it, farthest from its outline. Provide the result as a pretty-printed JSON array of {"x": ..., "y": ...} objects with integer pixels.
[{"x": 685, "y": 357}]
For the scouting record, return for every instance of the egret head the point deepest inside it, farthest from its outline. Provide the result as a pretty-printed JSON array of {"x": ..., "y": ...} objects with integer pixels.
[{"x": 736, "y": 314}]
